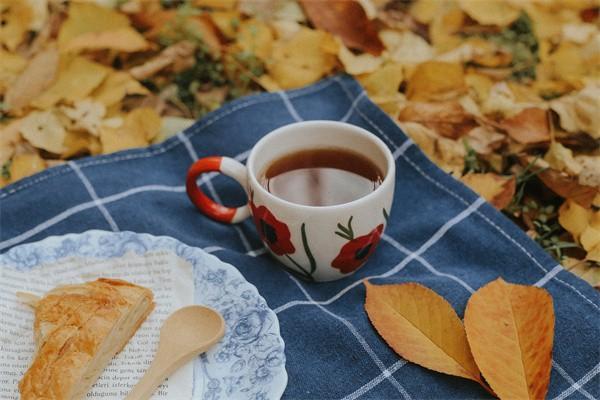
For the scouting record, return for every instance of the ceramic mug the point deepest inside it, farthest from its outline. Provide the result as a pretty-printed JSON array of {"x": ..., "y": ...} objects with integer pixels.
[{"x": 316, "y": 243}]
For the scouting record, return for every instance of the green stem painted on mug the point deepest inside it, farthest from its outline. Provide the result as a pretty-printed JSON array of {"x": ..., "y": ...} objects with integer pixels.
[
  {"x": 306, "y": 273},
  {"x": 311, "y": 259}
]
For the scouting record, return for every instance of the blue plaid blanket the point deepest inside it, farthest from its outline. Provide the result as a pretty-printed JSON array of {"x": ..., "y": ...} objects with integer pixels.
[{"x": 440, "y": 234}]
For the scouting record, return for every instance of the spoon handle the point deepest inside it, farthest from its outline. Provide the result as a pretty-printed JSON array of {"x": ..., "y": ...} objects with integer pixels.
[{"x": 159, "y": 370}]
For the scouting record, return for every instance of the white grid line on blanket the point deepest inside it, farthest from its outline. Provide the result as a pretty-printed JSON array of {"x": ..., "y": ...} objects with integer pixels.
[
  {"x": 289, "y": 106},
  {"x": 574, "y": 384},
  {"x": 427, "y": 265},
  {"x": 549, "y": 275},
  {"x": 188, "y": 145},
  {"x": 90, "y": 189},
  {"x": 375, "y": 381},
  {"x": 104, "y": 200},
  {"x": 460, "y": 198},
  {"x": 437, "y": 235},
  {"x": 84, "y": 206},
  {"x": 350, "y": 111},
  {"x": 252, "y": 253},
  {"x": 358, "y": 337}
]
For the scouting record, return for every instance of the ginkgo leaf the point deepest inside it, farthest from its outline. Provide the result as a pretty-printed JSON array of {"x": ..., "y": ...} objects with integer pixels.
[
  {"x": 510, "y": 329},
  {"x": 422, "y": 327}
]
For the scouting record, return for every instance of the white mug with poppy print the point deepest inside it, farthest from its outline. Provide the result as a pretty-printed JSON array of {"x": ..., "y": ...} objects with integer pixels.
[{"x": 316, "y": 243}]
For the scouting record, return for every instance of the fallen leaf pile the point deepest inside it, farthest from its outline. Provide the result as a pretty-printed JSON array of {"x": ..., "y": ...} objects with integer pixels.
[
  {"x": 502, "y": 94},
  {"x": 505, "y": 344}
]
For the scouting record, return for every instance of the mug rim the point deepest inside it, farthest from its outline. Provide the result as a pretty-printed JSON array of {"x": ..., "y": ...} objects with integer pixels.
[{"x": 388, "y": 180}]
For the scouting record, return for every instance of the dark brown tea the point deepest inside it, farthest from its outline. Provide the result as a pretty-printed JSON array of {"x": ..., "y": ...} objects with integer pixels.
[{"x": 322, "y": 177}]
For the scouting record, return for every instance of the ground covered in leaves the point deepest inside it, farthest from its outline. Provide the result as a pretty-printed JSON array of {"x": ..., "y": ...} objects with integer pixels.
[{"x": 502, "y": 94}]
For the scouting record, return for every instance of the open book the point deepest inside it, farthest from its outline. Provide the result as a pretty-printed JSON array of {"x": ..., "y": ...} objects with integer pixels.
[{"x": 168, "y": 276}]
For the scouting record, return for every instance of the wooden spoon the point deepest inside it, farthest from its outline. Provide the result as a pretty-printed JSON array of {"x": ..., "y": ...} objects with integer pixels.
[{"x": 187, "y": 332}]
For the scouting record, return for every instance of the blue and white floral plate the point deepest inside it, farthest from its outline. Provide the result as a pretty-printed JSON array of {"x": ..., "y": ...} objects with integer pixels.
[{"x": 249, "y": 363}]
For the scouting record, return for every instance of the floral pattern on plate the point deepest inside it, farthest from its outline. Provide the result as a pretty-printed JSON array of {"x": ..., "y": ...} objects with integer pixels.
[{"x": 249, "y": 363}]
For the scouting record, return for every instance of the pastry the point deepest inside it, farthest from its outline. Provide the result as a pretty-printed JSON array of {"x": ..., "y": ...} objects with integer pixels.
[{"x": 78, "y": 329}]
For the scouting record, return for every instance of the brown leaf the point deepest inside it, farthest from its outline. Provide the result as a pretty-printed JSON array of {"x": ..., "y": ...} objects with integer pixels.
[
  {"x": 422, "y": 327},
  {"x": 568, "y": 187},
  {"x": 510, "y": 329},
  {"x": 528, "y": 126},
  {"x": 37, "y": 76},
  {"x": 498, "y": 190},
  {"x": 178, "y": 52},
  {"x": 347, "y": 19},
  {"x": 484, "y": 139},
  {"x": 448, "y": 118}
]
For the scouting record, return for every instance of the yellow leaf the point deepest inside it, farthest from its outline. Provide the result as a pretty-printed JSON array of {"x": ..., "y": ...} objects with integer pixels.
[
  {"x": 219, "y": 4},
  {"x": 80, "y": 143},
  {"x": 138, "y": 129},
  {"x": 256, "y": 37},
  {"x": 226, "y": 22},
  {"x": 115, "y": 87},
  {"x": 496, "y": 189},
  {"x": 566, "y": 63},
  {"x": 383, "y": 85},
  {"x": 43, "y": 130},
  {"x": 447, "y": 154},
  {"x": 422, "y": 327},
  {"x": 16, "y": 17},
  {"x": 86, "y": 115},
  {"x": 77, "y": 77},
  {"x": 10, "y": 67},
  {"x": 358, "y": 64},
  {"x": 435, "y": 80},
  {"x": 122, "y": 39},
  {"x": 9, "y": 138},
  {"x": 561, "y": 159},
  {"x": 86, "y": 17},
  {"x": 144, "y": 122},
  {"x": 37, "y": 77},
  {"x": 444, "y": 29},
  {"x": 579, "y": 111},
  {"x": 573, "y": 217},
  {"x": 510, "y": 329},
  {"x": 305, "y": 58},
  {"x": 384, "y": 82},
  {"x": 490, "y": 12},
  {"x": 406, "y": 47},
  {"x": 425, "y": 11},
  {"x": 25, "y": 164},
  {"x": 590, "y": 237},
  {"x": 480, "y": 85}
]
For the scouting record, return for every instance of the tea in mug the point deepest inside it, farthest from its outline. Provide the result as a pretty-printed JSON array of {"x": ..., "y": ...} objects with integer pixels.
[{"x": 322, "y": 177}]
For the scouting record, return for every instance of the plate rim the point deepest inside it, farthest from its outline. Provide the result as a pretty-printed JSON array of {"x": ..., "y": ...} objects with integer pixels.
[{"x": 280, "y": 389}]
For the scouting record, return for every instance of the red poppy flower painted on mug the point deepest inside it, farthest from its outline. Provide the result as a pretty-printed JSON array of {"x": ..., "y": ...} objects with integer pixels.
[
  {"x": 272, "y": 231},
  {"x": 358, "y": 249}
]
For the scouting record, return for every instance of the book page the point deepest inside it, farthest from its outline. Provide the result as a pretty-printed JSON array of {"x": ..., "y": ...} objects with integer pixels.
[{"x": 167, "y": 275}]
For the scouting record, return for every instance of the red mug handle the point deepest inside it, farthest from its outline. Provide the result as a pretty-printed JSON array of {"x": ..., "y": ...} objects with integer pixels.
[{"x": 218, "y": 212}]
